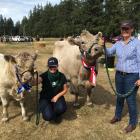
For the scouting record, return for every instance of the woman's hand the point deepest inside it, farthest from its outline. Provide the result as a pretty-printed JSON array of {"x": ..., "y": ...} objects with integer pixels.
[
  {"x": 62, "y": 93},
  {"x": 54, "y": 99},
  {"x": 138, "y": 82}
]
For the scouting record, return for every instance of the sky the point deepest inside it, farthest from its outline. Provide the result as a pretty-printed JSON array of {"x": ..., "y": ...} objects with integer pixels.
[{"x": 16, "y": 9}]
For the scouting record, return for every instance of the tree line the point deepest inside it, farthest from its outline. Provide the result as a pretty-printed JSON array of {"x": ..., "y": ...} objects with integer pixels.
[{"x": 70, "y": 17}]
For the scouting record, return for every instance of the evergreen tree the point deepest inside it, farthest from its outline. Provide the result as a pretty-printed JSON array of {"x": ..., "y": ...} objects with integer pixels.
[
  {"x": 70, "y": 17},
  {"x": 1, "y": 25},
  {"x": 9, "y": 26},
  {"x": 17, "y": 28},
  {"x": 23, "y": 26}
]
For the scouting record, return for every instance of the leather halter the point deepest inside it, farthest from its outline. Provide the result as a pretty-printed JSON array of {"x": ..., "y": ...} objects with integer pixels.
[{"x": 18, "y": 75}]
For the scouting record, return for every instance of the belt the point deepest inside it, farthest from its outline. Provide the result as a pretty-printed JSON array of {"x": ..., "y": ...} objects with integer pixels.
[{"x": 123, "y": 73}]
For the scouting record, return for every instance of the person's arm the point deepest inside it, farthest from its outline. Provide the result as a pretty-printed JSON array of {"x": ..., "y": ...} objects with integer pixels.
[
  {"x": 138, "y": 62},
  {"x": 111, "y": 51},
  {"x": 62, "y": 93}
]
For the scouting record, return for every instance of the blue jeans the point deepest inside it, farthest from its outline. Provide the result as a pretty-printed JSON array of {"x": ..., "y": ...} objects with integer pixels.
[
  {"x": 50, "y": 111},
  {"x": 124, "y": 83}
]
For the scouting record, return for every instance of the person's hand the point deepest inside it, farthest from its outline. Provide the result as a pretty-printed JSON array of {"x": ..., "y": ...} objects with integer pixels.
[
  {"x": 54, "y": 99},
  {"x": 138, "y": 82}
]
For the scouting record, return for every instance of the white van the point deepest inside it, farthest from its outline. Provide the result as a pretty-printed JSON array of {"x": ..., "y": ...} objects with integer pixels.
[{"x": 18, "y": 38}]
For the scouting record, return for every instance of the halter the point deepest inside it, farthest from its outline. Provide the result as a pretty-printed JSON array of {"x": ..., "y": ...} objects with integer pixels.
[
  {"x": 84, "y": 55},
  {"x": 88, "y": 53},
  {"x": 23, "y": 86}
]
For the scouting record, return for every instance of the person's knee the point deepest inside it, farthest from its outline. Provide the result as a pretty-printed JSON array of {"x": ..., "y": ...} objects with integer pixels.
[
  {"x": 47, "y": 116},
  {"x": 60, "y": 106},
  {"x": 60, "y": 109},
  {"x": 46, "y": 110}
]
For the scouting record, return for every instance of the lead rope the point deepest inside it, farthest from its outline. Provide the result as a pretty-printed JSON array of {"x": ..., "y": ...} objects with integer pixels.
[{"x": 37, "y": 102}]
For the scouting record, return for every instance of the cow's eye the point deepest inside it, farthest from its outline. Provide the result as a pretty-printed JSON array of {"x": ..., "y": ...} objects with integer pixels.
[
  {"x": 19, "y": 66},
  {"x": 96, "y": 49}
]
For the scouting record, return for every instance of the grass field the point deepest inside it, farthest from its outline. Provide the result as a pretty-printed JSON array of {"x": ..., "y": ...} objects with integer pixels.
[{"x": 84, "y": 123}]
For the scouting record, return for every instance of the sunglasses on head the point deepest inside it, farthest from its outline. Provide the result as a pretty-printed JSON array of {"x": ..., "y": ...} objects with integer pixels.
[{"x": 125, "y": 28}]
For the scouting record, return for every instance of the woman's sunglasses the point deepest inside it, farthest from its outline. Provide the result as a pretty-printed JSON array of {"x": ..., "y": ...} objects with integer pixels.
[
  {"x": 53, "y": 68},
  {"x": 125, "y": 28}
]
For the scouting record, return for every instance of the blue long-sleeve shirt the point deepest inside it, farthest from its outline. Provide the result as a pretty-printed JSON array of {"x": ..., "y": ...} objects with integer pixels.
[{"x": 128, "y": 55}]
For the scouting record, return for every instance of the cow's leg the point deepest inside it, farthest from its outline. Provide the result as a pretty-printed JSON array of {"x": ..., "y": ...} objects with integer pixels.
[
  {"x": 88, "y": 99},
  {"x": 88, "y": 95},
  {"x": 76, "y": 103},
  {"x": 5, "y": 106},
  {"x": 23, "y": 111},
  {"x": 75, "y": 91}
]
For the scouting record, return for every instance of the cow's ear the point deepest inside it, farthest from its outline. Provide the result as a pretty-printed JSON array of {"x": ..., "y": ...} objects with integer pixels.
[
  {"x": 34, "y": 56},
  {"x": 100, "y": 34},
  {"x": 99, "y": 38},
  {"x": 74, "y": 41},
  {"x": 71, "y": 40}
]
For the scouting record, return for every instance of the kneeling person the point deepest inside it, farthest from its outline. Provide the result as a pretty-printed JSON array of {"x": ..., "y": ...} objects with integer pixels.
[{"x": 54, "y": 85}]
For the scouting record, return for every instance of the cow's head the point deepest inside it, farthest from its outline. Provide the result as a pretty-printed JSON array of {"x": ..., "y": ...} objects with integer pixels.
[
  {"x": 90, "y": 49},
  {"x": 25, "y": 66},
  {"x": 95, "y": 48}
]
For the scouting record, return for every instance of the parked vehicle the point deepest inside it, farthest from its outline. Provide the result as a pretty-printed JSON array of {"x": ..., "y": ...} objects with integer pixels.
[
  {"x": 18, "y": 39},
  {"x": 15, "y": 38},
  {"x": 22, "y": 39},
  {"x": 28, "y": 39},
  {"x": 5, "y": 38}
]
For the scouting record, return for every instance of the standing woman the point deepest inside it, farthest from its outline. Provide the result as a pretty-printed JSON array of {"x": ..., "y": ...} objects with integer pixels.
[
  {"x": 54, "y": 86},
  {"x": 127, "y": 74}
]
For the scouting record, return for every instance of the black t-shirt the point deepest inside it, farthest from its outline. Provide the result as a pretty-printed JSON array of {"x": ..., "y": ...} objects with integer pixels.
[{"x": 48, "y": 90}]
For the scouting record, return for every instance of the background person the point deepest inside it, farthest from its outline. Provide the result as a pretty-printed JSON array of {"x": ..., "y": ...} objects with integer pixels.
[
  {"x": 54, "y": 86},
  {"x": 127, "y": 74}
]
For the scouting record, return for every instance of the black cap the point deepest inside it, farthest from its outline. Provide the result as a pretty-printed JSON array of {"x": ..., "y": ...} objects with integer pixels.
[
  {"x": 52, "y": 62},
  {"x": 127, "y": 23}
]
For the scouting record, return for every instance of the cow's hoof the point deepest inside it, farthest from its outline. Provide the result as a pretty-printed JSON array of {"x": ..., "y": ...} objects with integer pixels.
[
  {"x": 89, "y": 103},
  {"x": 4, "y": 119},
  {"x": 76, "y": 104},
  {"x": 26, "y": 118}
]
